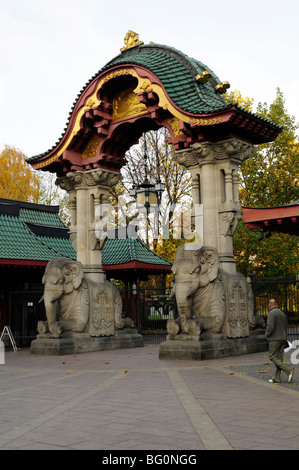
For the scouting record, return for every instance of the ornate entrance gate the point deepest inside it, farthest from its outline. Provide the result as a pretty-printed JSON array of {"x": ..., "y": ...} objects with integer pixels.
[{"x": 144, "y": 88}]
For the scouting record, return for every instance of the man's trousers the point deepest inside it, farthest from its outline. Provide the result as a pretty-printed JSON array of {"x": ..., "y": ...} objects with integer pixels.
[{"x": 276, "y": 350}]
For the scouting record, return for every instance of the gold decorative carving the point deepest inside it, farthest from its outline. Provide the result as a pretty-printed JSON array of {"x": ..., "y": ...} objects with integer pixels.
[
  {"x": 203, "y": 77},
  {"x": 126, "y": 104},
  {"x": 222, "y": 87},
  {"x": 90, "y": 103},
  {"x": 131, "y": 40},
  {"x": 175, "y": 126},
  {"x": 205, "y": 121},
  {"x": 91, "y": 148},
  {"x": 143, "y": 85}
]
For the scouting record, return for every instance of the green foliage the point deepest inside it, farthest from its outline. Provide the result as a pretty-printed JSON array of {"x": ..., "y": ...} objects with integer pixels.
[
  {"x": 17, "y": 179},
  {"x": 269, "y": 178}
]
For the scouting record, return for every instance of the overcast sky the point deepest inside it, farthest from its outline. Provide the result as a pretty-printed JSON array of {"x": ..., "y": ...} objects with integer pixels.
[{"x": 51, "y": 48}]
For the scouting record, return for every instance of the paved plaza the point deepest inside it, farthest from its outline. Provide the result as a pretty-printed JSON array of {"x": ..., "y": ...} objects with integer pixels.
[{"x": 131, "y": 400}]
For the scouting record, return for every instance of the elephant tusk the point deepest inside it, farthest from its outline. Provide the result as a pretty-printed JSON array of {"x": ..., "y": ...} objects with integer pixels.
[{"x": 41, "y": 299}]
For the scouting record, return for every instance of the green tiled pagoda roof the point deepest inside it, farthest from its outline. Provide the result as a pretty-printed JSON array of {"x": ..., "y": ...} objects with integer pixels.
[
  {"x": 40, "y": 217},
  {"x": 126, "y": 250},
  {"x": 21, "y": 232},
  {"x": 35, "y": 232},
  {"x": 177, "y": 73}
]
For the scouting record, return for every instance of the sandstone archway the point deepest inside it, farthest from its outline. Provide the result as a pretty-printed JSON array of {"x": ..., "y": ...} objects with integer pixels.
[{"x": 145, "y": 87}]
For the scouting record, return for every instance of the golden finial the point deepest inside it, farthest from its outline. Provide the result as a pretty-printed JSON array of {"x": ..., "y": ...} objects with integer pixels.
[
  {"x": 131, "y": 40},
  {"x": 222, "y": 87},
  {"x": 203, "y": 77}
]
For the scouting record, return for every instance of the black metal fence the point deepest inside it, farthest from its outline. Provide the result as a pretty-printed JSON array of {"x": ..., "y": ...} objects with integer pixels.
[
  {"x": 24, "y": 311},
  {"x": 286, "y": 293},
  {"x": 155, "y": 307},
  {"x": 152, "y": 307}
]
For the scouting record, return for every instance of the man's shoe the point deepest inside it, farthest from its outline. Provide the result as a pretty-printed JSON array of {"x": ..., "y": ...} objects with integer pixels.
[
  {"x": 291, "y": 376},
  {"x": 273, "y": 382}
]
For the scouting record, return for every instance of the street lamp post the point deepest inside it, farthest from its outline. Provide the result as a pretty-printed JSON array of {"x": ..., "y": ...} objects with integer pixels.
[{"x": 148, "y": 194}]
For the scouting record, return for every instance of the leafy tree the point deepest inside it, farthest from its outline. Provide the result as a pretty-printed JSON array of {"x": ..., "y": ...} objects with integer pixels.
[
  {"x": 51, "y": 194},
  {"x": 157, "y": 165},
  {"x": 17, "y": 180},
  {"x": 269, "y": 178}
]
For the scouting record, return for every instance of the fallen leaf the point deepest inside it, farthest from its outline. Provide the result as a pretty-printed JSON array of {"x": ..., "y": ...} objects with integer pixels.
[
  {"x": 106, "y": 362},
  {"x": 72, "y": 370},
  {"x": 126, "y": 372},
  {"x": 231, "y": 373},
  {"x": 262, "y": 371}
]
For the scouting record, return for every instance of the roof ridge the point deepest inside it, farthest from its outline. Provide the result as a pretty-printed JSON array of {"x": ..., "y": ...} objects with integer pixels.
[
  {"x": 29, "y": 205},
  {"x": 39, "y": 241}
]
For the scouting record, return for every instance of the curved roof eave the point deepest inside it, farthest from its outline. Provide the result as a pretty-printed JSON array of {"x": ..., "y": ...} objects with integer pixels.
[{"x": 177, "y": 73}]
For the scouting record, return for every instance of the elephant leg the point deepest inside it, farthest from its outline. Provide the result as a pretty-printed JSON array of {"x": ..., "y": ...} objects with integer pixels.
[
  {"x": 209, "y": 324},
  {"x": 42, "y": 327},
  {"x": 75, "y": 325},
  {"x": 55, "y": 329}
]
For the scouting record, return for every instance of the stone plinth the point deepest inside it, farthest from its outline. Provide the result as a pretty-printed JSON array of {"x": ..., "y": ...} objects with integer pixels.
[
  {"x": 76, "y": 343},
  {"x": 212, "y": 346}
]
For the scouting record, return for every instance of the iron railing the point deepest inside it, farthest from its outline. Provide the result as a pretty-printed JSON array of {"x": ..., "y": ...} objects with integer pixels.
[
  {"x": 151, "y": 307},
  {"x": 286, "y": 293},
  {"x": 155, "y": 308}
]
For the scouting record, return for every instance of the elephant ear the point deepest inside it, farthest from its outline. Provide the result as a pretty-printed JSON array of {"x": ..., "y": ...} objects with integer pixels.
[
  {"x": 77, "y": 274},
  {"x": 212, "y": 260}
]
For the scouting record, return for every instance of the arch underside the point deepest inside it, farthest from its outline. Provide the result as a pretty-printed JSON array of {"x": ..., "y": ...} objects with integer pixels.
[{"x": 122, "y": 103}]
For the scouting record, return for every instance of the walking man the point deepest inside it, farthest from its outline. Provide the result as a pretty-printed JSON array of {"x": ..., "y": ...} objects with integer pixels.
[{"x": 276, "y": 334}]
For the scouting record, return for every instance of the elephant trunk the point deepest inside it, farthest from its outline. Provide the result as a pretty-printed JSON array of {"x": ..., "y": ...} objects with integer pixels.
[
  {"x": 50, "y": 302},
  {"x": 183, "y": 301}
]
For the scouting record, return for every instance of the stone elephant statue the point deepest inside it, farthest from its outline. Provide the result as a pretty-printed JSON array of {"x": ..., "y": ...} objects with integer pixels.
[
  {"x": 75, "y": 303},
  {"x": 208, "y": 298}
]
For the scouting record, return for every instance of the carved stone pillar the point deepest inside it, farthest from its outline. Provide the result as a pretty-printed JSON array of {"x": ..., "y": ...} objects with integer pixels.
[
  {"x": 216, "y": 165},
  {"x": 88, "y": 190}
]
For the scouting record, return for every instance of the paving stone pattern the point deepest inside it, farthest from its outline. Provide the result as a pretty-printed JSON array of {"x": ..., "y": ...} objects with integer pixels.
[{"x": 131, "y": 400}]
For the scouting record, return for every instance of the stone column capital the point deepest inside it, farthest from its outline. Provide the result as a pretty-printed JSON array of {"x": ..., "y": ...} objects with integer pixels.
[
  {"x": 88, "y": 179},
  {"x": 214, "y": 152}
]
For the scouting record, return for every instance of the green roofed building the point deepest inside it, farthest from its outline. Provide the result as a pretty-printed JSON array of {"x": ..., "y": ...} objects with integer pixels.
[{"x": 33, "y": 234}]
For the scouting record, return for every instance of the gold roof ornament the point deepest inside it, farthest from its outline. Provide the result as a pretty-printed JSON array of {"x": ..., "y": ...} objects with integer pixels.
[
  {"x": 203, "y": 77},
  {"x": 222, "y": 87},
  {"x": 131, "y": 40}
]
